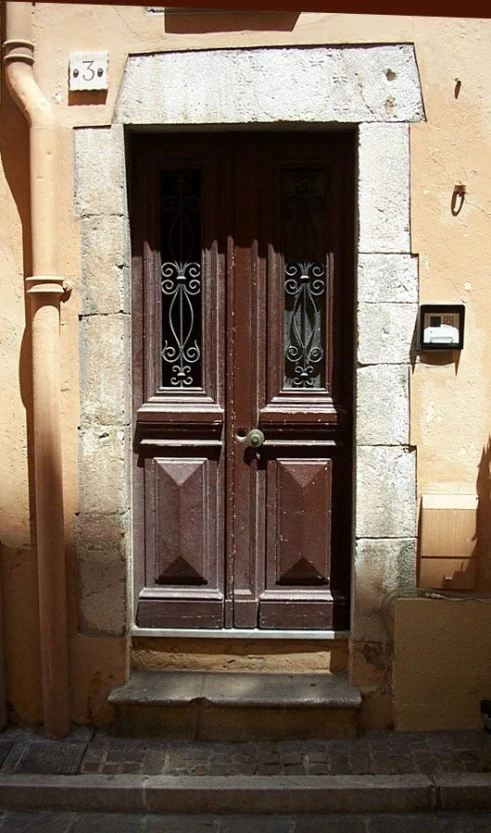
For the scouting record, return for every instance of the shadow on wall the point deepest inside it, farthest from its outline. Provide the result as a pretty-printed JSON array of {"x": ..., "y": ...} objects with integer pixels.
[
  {"x": 454, "y": 553},
  {"x": 483, "y": 523},
  {"x": 18, "y": 555},
  {"x": 198, "y": 22}
]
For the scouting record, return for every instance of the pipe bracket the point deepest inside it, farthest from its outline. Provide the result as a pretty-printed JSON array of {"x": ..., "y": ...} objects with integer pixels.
[
  {"x": 45, "y": 285},
  {"x": 18, "y": 50}
]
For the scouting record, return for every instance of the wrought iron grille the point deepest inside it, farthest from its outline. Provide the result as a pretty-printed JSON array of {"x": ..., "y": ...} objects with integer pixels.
[
  {"x": 305, "y": 284},
  {"x": 181, "y": 347},
  {"x": 305, "y": 279}
]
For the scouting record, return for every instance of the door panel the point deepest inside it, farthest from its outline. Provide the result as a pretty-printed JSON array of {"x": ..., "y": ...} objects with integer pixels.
[
  {"x": 183, "y": 542},
  {"x": 299, "y": 532},
  {"x": 185, "y": 551},
  {"x": 178, "y": 382},
  {"x": 243, "y": 311}
]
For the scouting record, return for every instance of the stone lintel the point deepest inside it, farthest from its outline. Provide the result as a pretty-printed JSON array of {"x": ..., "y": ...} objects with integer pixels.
[{"x": 303, "y": 84}]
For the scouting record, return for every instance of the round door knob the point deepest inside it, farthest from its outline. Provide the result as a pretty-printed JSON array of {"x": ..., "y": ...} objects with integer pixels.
[{"x": 254, "y": 438}]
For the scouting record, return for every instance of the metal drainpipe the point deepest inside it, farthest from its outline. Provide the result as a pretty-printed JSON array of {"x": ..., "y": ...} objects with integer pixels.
[{"x": 44, "y": 290}]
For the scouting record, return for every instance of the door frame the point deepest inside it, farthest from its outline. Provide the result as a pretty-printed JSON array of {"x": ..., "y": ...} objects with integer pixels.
[{"x": 302, "y": 77}]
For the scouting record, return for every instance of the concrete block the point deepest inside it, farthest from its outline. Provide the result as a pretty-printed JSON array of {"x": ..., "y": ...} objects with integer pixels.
[
  {"x": 387, "y": 278},
  {"x": 103, "y": 451},
  {"x": 100, "y": 174},
  {"x": 383, "y": 569},
  {"x": 386, "y": 333},
  {"x": 105, "y": 265},
  {"x": 382, "y": 410},
  {"x": 44, "y": 821},
  {"x": 105, "y": 370},
  {"x": 383, "y": 183},
  {"x": 314, "y": 84},
  {"x": 385, "y": 492}
]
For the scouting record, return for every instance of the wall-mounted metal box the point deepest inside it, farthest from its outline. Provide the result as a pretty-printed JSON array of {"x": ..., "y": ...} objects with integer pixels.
[
  {"x": 441, "y": 326},
  {"x": 447, "y": 544}
]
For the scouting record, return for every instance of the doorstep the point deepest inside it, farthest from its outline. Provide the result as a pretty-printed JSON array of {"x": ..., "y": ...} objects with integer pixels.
[{"x": 236, "y": 707}]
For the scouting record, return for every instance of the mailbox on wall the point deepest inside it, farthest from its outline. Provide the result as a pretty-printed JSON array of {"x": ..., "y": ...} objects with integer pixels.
[{"x": 441, "y": 326}]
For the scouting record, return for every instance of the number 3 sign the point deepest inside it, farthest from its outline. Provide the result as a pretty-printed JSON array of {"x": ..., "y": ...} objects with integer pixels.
[{"x": 88, "y": 71}]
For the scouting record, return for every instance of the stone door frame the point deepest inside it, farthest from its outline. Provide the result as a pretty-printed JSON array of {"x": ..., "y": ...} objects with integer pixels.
[{"x": 374, "y": 87}]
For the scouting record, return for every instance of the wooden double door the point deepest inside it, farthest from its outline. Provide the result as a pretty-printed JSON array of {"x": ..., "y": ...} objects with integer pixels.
[{"x": 242, "y": 262}]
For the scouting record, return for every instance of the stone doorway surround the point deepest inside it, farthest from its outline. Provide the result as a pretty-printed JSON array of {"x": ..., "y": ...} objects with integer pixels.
[{"x": 374, "y": 88}]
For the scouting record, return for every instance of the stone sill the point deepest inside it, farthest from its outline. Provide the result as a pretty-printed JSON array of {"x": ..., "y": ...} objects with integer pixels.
[{"x": 240, "y": 633}]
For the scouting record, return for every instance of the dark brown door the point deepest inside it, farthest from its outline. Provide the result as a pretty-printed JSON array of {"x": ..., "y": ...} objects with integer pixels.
[{"x": 242, "y": 322}]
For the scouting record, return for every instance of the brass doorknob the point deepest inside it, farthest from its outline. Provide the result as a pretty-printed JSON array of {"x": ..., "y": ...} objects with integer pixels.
[{"x": 254, "y": 438}]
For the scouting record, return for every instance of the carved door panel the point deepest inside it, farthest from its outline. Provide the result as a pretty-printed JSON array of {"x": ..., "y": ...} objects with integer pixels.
[{"x": 242, "y": 319}]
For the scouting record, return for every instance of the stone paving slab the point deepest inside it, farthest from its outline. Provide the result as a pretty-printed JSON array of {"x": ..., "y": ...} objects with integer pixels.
[
  {"x": 374, "y": 772},
  {"x": 374, "y": 753},
  {"x": 51, "y": 758},
  {"x": 5, "y": 748},
  {"x": 40, "y": 822},
  {"x": 52, "y": 822}
]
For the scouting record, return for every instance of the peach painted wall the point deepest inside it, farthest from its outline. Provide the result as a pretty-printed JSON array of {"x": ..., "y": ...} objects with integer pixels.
[{"x": 451, "y": 404}]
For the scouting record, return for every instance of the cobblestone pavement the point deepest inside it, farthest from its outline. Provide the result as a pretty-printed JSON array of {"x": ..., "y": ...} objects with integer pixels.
[
  {"x": 374, "y": 753},
  {"x": 48, "y": 822}
]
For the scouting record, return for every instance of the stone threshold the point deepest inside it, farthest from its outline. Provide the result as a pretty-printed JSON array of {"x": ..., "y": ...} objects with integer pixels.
[
  {"x": 250, "y": 689},
  {"x": 240, "y": 633},
  {"x": 236, "y": 706}
]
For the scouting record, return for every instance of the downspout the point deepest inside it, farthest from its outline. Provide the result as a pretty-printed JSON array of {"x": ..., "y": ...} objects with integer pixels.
[{"x": 44, "y": 289}]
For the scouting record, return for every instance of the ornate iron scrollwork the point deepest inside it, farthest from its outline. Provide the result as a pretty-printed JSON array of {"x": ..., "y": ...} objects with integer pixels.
[
  {"x": 305, "y": 282},
  {"x": 181, "y": 282}
]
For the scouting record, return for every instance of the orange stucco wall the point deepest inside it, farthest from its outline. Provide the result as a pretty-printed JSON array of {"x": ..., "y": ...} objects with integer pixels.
[{"x": 450, "y": 401}]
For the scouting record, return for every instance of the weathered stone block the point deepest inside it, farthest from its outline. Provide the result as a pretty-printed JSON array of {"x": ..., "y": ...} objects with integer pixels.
[
  {"x": 383, "y": 569},
  {"x": 386, "y": 333},
  {"x": 100, "y": 176},
  {"x": 105, "y": 265},
  {"x": 285, "y": 84},
  {"x": 385, "y": 492},
  {"x": 102, "y": 591},
  {"x": 105, "y": 372},
  {"x": 104, "y": 467},
  {"x": 95, "y": 531},
  {"x": 101, "y": 549},
  {"x": 382, "y": 408},
  {"x": 383, "y": 183},
  {"x": 387, "y": 278}
]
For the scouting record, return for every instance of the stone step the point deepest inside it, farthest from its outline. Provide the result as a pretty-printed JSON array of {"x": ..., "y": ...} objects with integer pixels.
[{"x": 228, "y": 706}]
